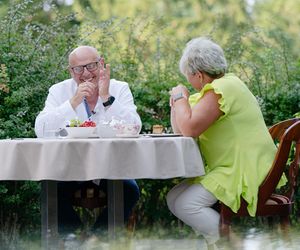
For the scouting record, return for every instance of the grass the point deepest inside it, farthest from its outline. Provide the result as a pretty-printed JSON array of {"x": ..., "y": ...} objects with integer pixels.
[{"x": 158, "y": 238}]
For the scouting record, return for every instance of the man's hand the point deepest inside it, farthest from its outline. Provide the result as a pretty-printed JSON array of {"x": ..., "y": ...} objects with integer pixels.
[
  {"x": 85, "y": 89},
  {"x": 104, "y": 81}
]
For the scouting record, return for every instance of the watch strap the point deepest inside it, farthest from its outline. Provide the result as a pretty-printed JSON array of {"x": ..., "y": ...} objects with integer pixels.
[
  {"x": 178, "y": 96},
  {"x": 109, "y": 101}
]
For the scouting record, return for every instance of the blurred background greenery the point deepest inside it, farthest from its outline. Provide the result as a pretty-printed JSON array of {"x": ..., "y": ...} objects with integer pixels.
[{"x": 143, "y": 41}]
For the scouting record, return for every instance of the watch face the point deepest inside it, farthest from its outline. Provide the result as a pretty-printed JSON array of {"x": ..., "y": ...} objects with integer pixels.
[{"x": 111, "y": 99}]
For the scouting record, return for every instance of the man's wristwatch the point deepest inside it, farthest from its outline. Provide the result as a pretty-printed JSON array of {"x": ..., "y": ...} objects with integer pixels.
[
  {"x": 178, "y": 96},
  {"x": 109, "y": 101}
]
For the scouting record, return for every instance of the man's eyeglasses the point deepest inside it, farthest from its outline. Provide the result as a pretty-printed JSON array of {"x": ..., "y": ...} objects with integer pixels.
[{"x": 90, "y": 67}]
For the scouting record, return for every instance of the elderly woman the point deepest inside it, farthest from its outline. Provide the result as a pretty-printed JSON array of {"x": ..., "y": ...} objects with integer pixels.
[{"x": 233, "y": 139}]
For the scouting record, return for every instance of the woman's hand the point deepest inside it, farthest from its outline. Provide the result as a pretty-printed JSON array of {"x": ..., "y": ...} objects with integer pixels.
[
  {"x": 180, "y": 89},
  {"x": 176, "y": 91}
]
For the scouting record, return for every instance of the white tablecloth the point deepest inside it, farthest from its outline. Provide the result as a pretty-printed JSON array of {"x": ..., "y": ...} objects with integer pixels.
[{"x": 94, "y": 158}]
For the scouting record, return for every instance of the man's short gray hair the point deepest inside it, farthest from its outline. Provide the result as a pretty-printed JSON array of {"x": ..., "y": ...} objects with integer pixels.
[{"x": 202, "y": 54}]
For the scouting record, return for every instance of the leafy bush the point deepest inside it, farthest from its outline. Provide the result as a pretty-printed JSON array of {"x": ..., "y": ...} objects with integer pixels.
[
  {"x": 32, "y": 58},
  {"x": 147, "y": 60},
  {"x": 264, "y": 60}
]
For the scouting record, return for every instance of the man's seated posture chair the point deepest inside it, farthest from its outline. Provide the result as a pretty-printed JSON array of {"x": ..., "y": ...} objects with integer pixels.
[
  {"x": 270, "y": 204},
  {"x": 91, "y": 198}
]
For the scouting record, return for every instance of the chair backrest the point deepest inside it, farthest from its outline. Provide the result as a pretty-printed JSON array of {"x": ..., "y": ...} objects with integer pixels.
[
  {"x": 278, "y": 129},
  {"x": 89, "y": 197},
  {"x": 286, "y": 133}
]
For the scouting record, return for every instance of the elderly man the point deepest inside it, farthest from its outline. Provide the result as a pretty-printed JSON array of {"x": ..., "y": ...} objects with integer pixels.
[{"x": 89, "y": 94}]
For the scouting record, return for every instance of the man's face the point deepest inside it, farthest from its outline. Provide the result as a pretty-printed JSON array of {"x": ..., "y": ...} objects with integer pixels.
[{"x": 84, "y": 65}]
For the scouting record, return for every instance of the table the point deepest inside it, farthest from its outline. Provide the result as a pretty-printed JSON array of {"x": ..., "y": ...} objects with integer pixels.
[{"x": 115, "y": 159}]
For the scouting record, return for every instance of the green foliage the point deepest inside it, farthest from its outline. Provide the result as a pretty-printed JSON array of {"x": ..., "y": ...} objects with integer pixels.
[
  {"x": 151, "y": 208},
  {"x": 264, "y": 60},
  {"x": 147, "y": 60},
  {"x": 20, "y": 209},
  {"x": 32, "y": 59}
]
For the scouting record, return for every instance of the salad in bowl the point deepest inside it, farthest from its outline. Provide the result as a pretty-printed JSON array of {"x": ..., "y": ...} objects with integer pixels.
[{"x": 77, "y": 129}]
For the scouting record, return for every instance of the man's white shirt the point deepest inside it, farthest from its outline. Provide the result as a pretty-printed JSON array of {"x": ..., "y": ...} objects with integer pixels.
[{"x": 58, "y": 109}]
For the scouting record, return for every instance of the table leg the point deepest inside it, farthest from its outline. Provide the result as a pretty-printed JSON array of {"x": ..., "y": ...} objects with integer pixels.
[
  {"x": 49, "y": 214},
  {"x": 115, "y": 204}
]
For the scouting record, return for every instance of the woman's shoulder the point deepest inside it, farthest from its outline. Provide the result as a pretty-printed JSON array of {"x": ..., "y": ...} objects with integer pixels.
[
  {"x": 230, "y": 84},
  {"x": 228, "y": 78}
]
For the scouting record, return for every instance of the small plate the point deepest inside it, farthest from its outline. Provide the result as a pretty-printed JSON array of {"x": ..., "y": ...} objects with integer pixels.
[
  {"x": 81, "y": 137},
  {"x": 162, "y": 135},
  {"x": 127, "y": 136},
  {"x": 94, "y": 136}
]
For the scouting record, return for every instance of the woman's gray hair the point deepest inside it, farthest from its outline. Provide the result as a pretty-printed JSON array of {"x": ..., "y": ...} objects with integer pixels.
[{"x": 202, "y": 54}]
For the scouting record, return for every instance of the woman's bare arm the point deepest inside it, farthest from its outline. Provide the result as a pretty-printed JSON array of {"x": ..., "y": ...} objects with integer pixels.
[{"x": 194, "y": 121}]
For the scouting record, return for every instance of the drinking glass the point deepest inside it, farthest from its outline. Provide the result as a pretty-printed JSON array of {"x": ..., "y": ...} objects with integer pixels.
[{"x": 50, "y": 130}]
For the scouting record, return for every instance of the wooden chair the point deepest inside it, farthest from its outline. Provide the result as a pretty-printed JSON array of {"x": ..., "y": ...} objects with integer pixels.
[
  {"x": 269, "y": 203},
  {"x": 91, "y": 198}
]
